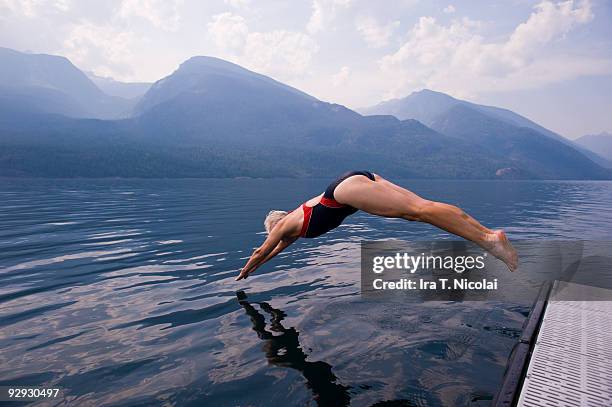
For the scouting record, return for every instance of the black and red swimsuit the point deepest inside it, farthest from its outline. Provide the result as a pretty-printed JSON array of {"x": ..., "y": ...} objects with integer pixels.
[{"x": 329, "y": 213}]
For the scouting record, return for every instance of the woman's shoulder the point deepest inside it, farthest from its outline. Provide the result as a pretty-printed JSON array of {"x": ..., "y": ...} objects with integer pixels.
[
  {"x": 292, "y": 223},
  {"x": 313, "y": 201}
]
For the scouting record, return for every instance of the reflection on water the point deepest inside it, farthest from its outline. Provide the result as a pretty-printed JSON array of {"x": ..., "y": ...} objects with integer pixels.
[
  {"x": 122, "y": 292},
  {"x": 283, "y": 349}
]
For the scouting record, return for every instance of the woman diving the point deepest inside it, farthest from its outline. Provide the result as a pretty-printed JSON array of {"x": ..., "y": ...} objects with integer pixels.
[{"x": 369, "y": 192}]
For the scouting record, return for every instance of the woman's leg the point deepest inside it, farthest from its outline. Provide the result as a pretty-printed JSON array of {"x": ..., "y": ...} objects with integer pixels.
[
  {"x": 384, "y": 198},
  {"x": 443, "y": 209}
]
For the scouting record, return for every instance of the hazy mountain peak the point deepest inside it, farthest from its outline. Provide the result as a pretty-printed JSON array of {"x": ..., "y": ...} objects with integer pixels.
[
  {"x": 423, "y": 105},
  {"x": 210, "y": 66},
  {"x": 426, "y": 105},
  {"x": 207, "y": 66},
  {"x": 600, "y": 144},
  {"x": 604, "y": 134},
  {"x": 52, "y": 84},
  {"x": 18, "y": 69},
  {"x": 200, "y": 61},
  {"x": 430, "y": 93},
  {"x": 112, "y": 87},
  {"x": 216, "y": 79}
]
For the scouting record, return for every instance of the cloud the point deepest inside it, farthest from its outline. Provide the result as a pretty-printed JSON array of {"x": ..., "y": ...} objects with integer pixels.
[
  {"x": 102, "y": 49},
  {"x": 34, "y": 8},
  {"x": 374, "y": 34},
  {"x": 341, "y": 77},
  {"x": 323, "y": 13},
  {"x": 450, "y": 9},
  {"x": 163, "y": 14},
  {"x": 282, "y": 53},
  {"x": 228, "y": 31},
  {"x": 238, "y": 4},
  {"x": 549, "y": 21},
  {"x": 315, "y": 23},
  {"x": 456, "y": 59}
]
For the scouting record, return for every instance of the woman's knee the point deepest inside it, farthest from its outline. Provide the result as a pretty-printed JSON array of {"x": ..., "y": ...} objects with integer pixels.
[{"x": 419, "y": 211}]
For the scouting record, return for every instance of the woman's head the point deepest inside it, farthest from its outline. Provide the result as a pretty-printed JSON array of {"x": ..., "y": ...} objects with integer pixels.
[{"x": 272, "y": 219}]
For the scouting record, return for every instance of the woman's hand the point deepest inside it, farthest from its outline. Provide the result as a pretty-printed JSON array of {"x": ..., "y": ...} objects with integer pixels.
[{"x": 244, "y": 273}]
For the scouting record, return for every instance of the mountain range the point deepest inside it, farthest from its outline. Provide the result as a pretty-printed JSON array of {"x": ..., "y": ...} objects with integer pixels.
[
  {"x": 125, "y": 90},
  {"x": 52, "y": 84},
  {"x": 601, "y": 143},
  {"x": 213, "y": 118},
  {"x": 430, "y": 107}
]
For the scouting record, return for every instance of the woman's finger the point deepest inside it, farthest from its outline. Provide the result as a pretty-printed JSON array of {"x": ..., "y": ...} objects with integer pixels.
[{"x": 243, "y": 274}]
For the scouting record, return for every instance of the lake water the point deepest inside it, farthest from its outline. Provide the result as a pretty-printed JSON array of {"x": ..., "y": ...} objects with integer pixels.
[{"x": 122, "y": 292}]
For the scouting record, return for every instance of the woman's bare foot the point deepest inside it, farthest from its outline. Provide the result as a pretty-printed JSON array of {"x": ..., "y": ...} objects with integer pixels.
[{"x": 500, "y": 247}]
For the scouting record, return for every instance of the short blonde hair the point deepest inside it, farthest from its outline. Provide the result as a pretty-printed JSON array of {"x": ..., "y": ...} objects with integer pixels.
[{"x": 273, "y": 218}]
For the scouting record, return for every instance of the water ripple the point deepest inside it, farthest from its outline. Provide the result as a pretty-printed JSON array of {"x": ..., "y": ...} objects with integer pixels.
[{"x": 122, "y": 292}]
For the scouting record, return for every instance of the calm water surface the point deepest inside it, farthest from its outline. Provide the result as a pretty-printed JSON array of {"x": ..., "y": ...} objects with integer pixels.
[{"x": 122, "y": 292}]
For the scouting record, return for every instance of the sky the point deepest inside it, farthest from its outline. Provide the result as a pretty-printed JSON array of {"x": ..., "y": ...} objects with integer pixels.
[{"x": 550, "y": 60}]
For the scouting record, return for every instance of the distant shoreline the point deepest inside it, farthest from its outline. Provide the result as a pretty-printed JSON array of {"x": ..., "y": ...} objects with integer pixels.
[{"x": 2, "y": 178}]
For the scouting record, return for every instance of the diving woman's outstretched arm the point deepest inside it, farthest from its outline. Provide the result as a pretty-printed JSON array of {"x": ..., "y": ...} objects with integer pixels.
[
  {"x": 281, "y": 237},
  {"x": 282, "y": 245}
]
